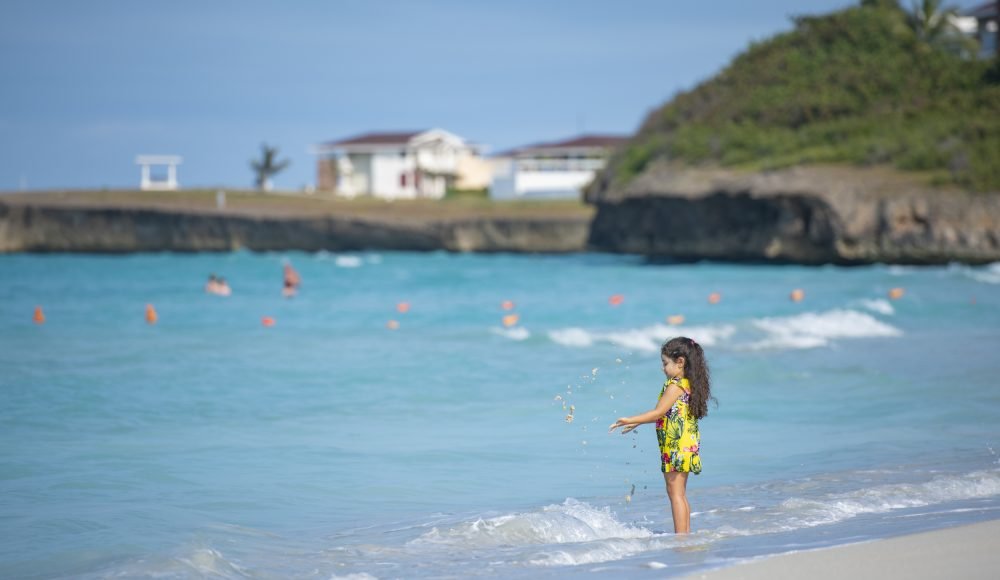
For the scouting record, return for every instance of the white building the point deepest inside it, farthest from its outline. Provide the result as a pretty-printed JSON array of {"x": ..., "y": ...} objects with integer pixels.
[
  {"x": 983, "y": 24},
  {"x": 407, "y": 165},
  {"x": 559, "y": 169}
]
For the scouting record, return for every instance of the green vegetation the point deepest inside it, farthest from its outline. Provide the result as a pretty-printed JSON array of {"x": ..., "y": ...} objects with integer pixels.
[
  {"x": 482, "y": 193},
  {"x": 267, "y": 167},
  {"x": 866, "y": 85}
]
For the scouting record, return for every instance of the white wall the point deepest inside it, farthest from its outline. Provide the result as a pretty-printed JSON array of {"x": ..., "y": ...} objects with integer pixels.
[
  {"x": 378, "y": 172},
  {"x": 539, "y": 184},
  {"x": 552, "y": 183},
  {"x": 359, "y": 178},
  {"x": 386, "y": 169}
]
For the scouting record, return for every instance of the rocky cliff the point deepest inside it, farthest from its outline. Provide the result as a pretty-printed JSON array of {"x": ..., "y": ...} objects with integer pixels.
[
  {"x": 26, "y": 227},
  {"x": 810, "y": 215},
  {"x": 817, "y": 145}
]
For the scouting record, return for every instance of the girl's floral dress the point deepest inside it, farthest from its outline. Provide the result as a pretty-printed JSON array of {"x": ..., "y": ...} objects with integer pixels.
[{"x": 677, "y": 433}]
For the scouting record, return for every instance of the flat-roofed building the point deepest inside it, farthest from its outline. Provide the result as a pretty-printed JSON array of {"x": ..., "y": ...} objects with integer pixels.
[{"x": 553, "y": 170}]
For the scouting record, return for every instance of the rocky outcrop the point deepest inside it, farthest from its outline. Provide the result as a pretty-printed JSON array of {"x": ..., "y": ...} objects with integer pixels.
[
  {"x": 26, "y": 227},
  {"x": 810, "y": 215}
]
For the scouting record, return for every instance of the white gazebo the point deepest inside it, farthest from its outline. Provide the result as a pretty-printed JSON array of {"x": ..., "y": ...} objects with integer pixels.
[{"x": 152, "y": 182}]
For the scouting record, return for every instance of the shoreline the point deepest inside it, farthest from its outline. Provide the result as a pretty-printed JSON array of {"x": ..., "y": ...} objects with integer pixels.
[
  {"x": 766, "y": 227},
  {"x": 967, "y": 551},
  {"x": 121, "y": 222}
]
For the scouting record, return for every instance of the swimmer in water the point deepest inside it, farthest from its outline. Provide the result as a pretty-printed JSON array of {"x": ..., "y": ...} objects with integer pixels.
[
  {"x": 292, "y": 281},
  {"x": 212, "y": 286}
]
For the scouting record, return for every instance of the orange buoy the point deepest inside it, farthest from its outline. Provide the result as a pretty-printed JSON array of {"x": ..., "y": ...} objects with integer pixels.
[
  {"x": 616, "y": 299},
  {"x": 511, "y": 320},
  {"x": 39, "y": 316},
  {"x": 714, "y": 298},
  {"x": 392, "y": 325},
  {"x": 675, "y": 320},
  {"x": 267, "y": 321},
  {"x": 151, "y": 316},
  {"x": 403, "y": 307},
  {"x": 507, "y": 305},
  {"x": 797, "y": 295},
  {"x": 896, "y": 293}
]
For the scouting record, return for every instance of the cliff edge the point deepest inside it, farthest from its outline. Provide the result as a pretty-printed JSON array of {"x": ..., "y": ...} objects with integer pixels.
[
  {"x": 849, "y": 139},
  {"x": 27, "y": 226}
]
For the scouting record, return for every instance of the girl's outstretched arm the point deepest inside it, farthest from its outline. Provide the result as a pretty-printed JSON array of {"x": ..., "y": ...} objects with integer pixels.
[{"x": 666, "y": 401}]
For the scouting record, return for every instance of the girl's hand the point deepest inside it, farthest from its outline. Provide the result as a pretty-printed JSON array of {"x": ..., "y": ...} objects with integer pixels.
[
  {"x": 630, "y": 428},
  {"x": 621, "y": 422}
]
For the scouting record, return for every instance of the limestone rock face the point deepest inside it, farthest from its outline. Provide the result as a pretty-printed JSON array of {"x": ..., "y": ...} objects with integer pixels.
[
  {"x": 41, "y": 228},
  {"x": 803, "y": 215}
]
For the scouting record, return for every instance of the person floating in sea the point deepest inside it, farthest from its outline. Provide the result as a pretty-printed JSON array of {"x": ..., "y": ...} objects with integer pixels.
[
  {"x": 683, "y": 401},
  {"x": 217, "y": 285},
  {"x": 292, "y": 281}
]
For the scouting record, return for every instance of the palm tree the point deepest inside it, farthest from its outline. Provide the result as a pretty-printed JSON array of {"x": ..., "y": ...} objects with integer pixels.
[
  {"x": 267, "y": 166},
  {"x": 935, "y": 26}
]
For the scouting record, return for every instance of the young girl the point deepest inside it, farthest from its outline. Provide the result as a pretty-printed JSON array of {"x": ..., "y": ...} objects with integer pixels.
[{"x": 683, "y": 400}]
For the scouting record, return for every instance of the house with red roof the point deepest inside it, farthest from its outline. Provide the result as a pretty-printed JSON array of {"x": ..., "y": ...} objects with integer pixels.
[
  {"x": 552, "y": 170},
  {"x": 400, "y": 165}
]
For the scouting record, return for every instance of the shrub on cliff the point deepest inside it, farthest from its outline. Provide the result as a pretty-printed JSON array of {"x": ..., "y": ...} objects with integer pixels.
[{"x": 856, "y": 86}]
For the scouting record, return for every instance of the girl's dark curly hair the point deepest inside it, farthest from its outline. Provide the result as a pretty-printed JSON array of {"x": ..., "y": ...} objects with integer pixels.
[{"x": 695, "y": 371}]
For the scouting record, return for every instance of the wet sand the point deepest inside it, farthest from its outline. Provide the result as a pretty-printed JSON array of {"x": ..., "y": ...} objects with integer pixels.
[{"x": 966, "y": 552}]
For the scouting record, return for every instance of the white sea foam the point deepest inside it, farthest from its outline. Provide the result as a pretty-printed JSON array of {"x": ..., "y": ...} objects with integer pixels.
[
  {"x": 879, "y": 305},
  {"x": 572, "y": 337},
  {"x": 574, "y": 532},
  {"x": 645, "y": 339},
  {"x": 810, "y": 330},
  {"x": 569, "y": 522},
  {"x": 897, "y": 270},
  {"x": 795, "y": 513},
  {"x": 193, "y": 562},
  {"x": 209, "y": 562},
  {"x": 807, "y": 330},
  {"x": 348, "y": 261},
  {"x": 515, "y": 333},
  {"x": 989, "y": 274}
]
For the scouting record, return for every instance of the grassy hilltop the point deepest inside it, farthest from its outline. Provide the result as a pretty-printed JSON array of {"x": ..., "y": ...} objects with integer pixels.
[{"x": 857, "y": 86}]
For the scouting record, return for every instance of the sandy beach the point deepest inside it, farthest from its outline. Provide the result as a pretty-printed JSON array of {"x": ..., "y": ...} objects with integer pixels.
[{"x": 971, "y": 551}]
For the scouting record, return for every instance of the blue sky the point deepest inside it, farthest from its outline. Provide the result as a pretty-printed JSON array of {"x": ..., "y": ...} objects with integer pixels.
[{"x": 88, "y": 85}]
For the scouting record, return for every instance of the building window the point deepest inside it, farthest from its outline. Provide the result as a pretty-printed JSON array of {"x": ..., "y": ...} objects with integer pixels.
[{"x": 402, "y": 180}]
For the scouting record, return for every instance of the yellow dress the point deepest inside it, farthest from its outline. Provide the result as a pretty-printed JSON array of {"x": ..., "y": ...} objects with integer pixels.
[{"x": 677, "y": 433}]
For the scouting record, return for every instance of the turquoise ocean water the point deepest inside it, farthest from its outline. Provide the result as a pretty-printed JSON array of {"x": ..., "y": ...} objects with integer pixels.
[{"x": 330, "y": 446}]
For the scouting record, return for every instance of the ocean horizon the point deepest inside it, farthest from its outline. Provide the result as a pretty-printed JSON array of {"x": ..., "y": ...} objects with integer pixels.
[{"x": 392, "y": 423}]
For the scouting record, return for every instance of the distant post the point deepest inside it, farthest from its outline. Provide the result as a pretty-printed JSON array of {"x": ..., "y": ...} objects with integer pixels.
[{"x": 150, "y": 182}]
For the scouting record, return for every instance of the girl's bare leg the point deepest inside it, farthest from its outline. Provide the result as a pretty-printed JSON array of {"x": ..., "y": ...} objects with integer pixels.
[{"x": 679, "y": 507}]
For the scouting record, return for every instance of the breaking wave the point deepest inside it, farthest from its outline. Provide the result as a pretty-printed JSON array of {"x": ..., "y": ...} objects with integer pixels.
[
  {"x": 989, "y": 274},
  {"x": 811, "y": 330},
  {"x": 646, "y": 339},
  {"x": 574, "y": 532},
  {"x": 807, "y": 330}
]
